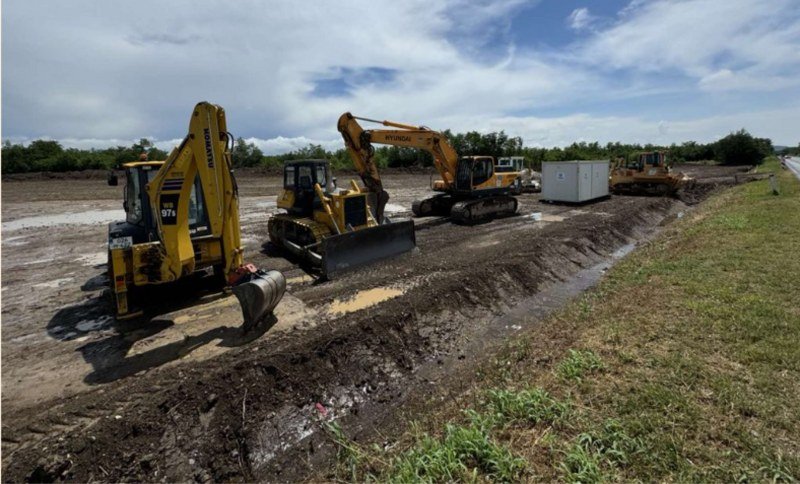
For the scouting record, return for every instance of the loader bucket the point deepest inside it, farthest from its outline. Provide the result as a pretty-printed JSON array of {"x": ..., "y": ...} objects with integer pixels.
[
  {"x": 258, "y": 295},
  {"x": 361, "y": 247}
]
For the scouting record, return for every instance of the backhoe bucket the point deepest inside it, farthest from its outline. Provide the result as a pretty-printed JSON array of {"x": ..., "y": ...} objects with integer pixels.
[
  {"x": 361, "y": 247},
  {"x": 259, "y": 295}
]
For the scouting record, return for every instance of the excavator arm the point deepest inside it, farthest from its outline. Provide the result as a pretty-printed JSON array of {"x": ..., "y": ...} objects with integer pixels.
[
  {"x": 204, "y": 153},
  {"x": 359, "y": 145}
]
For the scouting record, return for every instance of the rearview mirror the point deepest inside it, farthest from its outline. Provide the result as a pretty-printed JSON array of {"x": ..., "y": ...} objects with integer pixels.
[{"x": 112, "y": 179}]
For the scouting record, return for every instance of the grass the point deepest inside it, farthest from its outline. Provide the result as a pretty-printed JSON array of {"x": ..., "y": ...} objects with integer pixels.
[{"x": 683, "y": 364}]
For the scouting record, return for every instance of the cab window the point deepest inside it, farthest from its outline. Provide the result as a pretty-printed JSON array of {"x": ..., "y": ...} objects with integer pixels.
[
  {"x": 198, "y": 218},
  {"x": 304, "y": 179},
  {"x": 321, "y": 179},
  {"x": 288, "y": 177},
  {"x": 481, "y": 171},
  {"x": 133, "y": 200}
]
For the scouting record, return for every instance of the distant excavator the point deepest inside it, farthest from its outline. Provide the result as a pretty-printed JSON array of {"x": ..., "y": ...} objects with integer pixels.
[
  {"x": 646, "y": 173},
  {"x": 182, "y": 216},
  {"x": 472, "y": 190}
]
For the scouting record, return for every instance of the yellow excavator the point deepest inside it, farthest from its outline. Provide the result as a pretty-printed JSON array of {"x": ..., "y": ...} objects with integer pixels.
[
  {"x": 182, "y": 216},
  {"x": 646, "y": 173},
  {"x": 472, "y": 189},
  {"x": 336, "y": 229}
]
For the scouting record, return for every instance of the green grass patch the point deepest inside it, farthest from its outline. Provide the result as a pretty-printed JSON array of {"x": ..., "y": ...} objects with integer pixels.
[
  {"x": 700, "y": 372},
  {"x": 578, "y": 364},
  {"x": 527, "y": 407}
]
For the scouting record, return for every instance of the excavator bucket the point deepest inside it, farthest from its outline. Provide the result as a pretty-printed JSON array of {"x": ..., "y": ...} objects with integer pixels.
[
  {"x": 258, "y": 295},
  {"x": 361, "y": 247}
]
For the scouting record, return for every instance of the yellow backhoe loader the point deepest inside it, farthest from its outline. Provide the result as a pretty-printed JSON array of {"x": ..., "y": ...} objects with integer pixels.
[
  {"x": 472, "y": 188},
  {"x": 334, "y": 229},
  {"x": 182, "y": 216},
  {"x": 646, "y": 173}
]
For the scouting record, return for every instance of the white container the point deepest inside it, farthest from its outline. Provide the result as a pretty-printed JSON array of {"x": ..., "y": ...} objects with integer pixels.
[{"x": 574, "y": 181}]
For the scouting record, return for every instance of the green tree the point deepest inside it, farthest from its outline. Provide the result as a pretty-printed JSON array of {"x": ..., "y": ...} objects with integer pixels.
[
  {"x": 246, "y": 154},
  {"x": 741, "y": 148}
]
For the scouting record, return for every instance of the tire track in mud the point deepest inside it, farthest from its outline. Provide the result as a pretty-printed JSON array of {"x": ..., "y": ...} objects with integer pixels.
[{"x": 252, "y": 413}]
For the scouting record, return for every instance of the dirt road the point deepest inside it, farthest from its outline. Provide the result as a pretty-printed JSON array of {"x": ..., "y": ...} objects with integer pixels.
[{"x": 182, "y": 393}]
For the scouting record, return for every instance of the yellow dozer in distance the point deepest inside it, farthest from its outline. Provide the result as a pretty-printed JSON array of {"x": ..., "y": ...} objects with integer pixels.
[
  {"x": 182, "y": 216},
  {"x": 334, "y": 229},
  {"x": 646, "y": 173}
]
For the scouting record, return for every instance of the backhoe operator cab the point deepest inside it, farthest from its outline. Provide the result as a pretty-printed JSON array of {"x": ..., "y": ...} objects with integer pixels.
[{"x": 139, "y": 225}]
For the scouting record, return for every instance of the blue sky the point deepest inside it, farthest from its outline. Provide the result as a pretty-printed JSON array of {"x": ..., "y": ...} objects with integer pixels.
[{"x": 94, "y": 74}]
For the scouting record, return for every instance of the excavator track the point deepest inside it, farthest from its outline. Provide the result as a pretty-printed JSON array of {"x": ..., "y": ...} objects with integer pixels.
[
  {"x": 439, "y": 205},
  {"x": 482, "y": 209}
]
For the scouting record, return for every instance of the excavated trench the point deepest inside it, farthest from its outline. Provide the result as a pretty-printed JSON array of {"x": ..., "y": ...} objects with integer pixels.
[{"x": 383, "y": 341}]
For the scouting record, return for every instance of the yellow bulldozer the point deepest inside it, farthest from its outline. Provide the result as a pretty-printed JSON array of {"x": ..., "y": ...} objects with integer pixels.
[
  {"x": 181, "y": 217},
  {"x": 336, "y": 229},
  {"x": 646, "y": 173}
]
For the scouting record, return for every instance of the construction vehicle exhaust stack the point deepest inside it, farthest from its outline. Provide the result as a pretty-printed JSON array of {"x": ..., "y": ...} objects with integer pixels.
[{"x": 182, "y": 216}]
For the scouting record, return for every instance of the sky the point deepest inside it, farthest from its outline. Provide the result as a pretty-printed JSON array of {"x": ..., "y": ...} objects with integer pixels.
[{"x": 104, "y": 73}]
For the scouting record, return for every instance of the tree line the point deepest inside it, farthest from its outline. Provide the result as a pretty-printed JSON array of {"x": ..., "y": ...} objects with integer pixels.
[{"x": 45, "y": 155}]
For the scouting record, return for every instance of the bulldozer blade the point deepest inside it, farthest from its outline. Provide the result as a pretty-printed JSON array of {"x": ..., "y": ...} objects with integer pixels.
[
  {"x": 259, "y": 295},
  {"x": 361, "y": 247}
]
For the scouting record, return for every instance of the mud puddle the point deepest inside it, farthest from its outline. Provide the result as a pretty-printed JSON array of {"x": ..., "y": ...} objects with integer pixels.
[{"x": 364, "y": 299}]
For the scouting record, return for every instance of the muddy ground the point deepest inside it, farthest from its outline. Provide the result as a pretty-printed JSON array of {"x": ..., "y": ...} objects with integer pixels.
[{"x": 182, "y": 394}]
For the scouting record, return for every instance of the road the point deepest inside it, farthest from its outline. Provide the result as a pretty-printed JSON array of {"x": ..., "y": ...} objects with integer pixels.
[{"x": 793, "y": 163}]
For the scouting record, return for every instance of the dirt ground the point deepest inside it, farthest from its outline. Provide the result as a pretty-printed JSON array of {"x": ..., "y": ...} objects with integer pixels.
[{"x": 182, "y": 393}]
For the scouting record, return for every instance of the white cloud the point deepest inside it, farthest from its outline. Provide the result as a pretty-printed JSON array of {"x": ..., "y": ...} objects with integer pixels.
[
  {"x": 702, "y": 37},
  {"x": 580, "y": 18},
  {"x": 84, "y": 72}
]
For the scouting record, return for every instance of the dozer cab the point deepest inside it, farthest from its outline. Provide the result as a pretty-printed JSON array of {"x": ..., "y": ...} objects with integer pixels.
[
  {"x": 334, "y": 229},
  {"x": 181, "y": 217},
  {"x": 646, "y": 173}
]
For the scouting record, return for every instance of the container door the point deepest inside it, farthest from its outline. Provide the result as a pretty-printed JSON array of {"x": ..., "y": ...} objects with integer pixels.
[
  {"x": 584, "y": 181},
  {"x": 599, "y": 180}
]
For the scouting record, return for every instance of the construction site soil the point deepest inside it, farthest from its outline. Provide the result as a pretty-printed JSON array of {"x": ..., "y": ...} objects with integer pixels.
[{"x": 182, "y": 394}]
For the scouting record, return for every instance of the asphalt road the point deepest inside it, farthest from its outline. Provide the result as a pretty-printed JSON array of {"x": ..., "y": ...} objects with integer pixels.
[{"x": 793, "y": 164}]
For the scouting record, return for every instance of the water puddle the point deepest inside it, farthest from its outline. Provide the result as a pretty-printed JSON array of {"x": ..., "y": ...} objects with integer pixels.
[
  {"x": 89, "y": 217},
  {"x": 54, "y": 283},
  {"x": 15, "y": 241},
  {"x": 552, "y": 218},
  {"x": 92, "y": 260},
  {"x": 94, "y": 324},
  {"x": 394, "y": 208},
  {"x": 301, "y": 279},
  {"x": 364, "y": 299}
]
